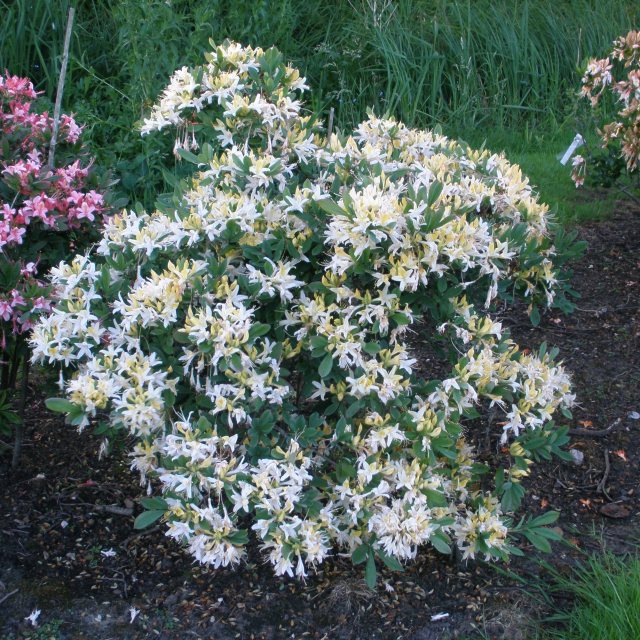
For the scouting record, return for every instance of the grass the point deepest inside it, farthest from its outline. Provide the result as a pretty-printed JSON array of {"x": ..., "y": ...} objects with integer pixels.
[
  {"x": 606, "y": 593},
  {"x": 467, "y": 65},
  {"x": 464, "y": 63},
  {"x": 32, "y": 34}
]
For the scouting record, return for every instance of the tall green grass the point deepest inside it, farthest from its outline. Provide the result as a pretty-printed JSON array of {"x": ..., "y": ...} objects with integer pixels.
[
  {"x": 465, "y": 64},
  {"x": 31, "y": 40}
]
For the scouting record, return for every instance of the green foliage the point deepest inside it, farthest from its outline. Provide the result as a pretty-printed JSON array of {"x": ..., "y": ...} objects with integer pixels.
[
  {"x": 606, "y": 590},
  {"x": 460, "y": 63},
  {"x": 31, "y": 33},
  {"x": 606, "y": 168}
]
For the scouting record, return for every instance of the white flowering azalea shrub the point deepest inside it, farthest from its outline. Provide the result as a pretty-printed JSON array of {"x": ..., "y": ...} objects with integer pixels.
[{"x": 253, "y": 335}]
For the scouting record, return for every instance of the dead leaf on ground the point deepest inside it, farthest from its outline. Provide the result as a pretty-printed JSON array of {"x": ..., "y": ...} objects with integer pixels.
[{"x": 614, "y": 510}]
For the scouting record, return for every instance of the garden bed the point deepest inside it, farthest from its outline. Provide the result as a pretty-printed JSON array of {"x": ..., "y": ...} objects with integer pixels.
[{"x": 85, "y": 567}]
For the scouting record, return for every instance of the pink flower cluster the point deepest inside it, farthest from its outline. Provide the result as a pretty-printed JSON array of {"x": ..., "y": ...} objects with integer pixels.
[
  {"x": 618, "y": 74},
  {"x": 34, "y": 198},
  {"x": 16, "y": 95}
]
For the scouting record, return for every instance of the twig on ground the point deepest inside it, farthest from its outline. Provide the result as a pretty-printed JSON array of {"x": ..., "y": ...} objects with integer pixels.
[
  {"x": 115, "y": 509},
  {"x": 105, "y": 508},
  {"x": 602, "y": 485},
  {"x": 598, "y": 433},
  {"x": 8, "y": 595}
]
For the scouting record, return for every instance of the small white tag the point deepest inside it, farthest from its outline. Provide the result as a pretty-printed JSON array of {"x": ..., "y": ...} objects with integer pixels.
[
  {"x": 578, "y": 141},
  {"x": 439, "y": 616}
]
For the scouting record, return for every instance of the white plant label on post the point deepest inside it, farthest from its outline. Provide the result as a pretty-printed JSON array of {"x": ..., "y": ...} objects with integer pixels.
[{"x": 577, "y": 142}]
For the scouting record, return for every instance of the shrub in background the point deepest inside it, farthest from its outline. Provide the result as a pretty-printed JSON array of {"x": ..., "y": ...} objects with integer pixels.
[
  {"x": 46, "y": 212},
  {"x": 617, "y": 77},
  {"x": 253, "y": 334}
]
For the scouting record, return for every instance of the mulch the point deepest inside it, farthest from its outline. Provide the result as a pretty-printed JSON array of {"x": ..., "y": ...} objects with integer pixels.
[{"x": 66, "y": 551}]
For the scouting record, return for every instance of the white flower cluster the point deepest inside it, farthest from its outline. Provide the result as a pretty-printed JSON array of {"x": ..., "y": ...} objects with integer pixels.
[{"x": 254, "y": 336}]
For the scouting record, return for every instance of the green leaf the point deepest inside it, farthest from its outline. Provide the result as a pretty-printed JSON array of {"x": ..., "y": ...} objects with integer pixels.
[
  {"x": 241, "y": 536},
  {"x": 147, "y": 518},
  {"x": 440, "y": 542},
  {"x": 360, "y": 554},
  {"x": 154, "y": 504},
  {"x": 545, "y": 519},
  {"x": 434, "y": 192},
  {"x": 435, "y": 498},
  {"x": 325, "y": 366},
  {"x": 370, "y": 573},
  {"x": 332, "y": 208},
  {"x": 258, "y": 329},
  {"x": 534, "y": 316},
  {"x": 188, "y": 156},
  {"x": 352, "y": 409},
  {"x": 514, "y": 550},
  {"x": 390, "y": 561},
  {"x": 318, "y": 342},
  {"x": 11, "y": 417},
  {"x": 371, "y": 347},
  {"x": 345, "y": 470},
  {"x": 341, "y": 425},
  {"x": 512, "y": 496},
  {"x": 549, "y": 534},
  {"x": 102, "y": 428},
  {"x": 400, "y": 318},
  {"x": 60, "y": 405},
  {"x": 539, "y": 542}
]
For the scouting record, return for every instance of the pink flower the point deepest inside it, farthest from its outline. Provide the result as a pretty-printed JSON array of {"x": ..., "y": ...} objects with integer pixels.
[
  {"x": 5, "y": 310},
  {"x": 85, "y": 210},
  {"x": 72, "y": 130},
  {"x": 56, "y": 203},
  {"x": 16, "y": 298},
  {"x": 42, "y": 303},
  {"x": 39, "y": 207},
  {"x": 28, "y": 269},
  {"x": 16, "y": 234},
  {"x": 8, "y": 212},
  {"x": 16, "y": 87}
]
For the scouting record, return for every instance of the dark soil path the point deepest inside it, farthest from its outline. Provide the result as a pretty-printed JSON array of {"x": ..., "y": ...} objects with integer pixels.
[{"x": 85, "y": 568}]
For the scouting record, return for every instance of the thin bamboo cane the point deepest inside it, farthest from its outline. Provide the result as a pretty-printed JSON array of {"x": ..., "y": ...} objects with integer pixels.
[{"x": 63, "y": 74}]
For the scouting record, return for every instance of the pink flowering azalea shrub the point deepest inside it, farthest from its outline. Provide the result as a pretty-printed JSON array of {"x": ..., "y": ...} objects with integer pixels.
[
  {"x": 617, "y": 76},
  {"x": 45, "y": 212}
]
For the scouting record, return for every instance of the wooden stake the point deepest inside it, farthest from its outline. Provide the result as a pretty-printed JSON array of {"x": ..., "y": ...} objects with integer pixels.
[
  {"x": 330, "y": 127},
  {"x": 63, "y": 74}
]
